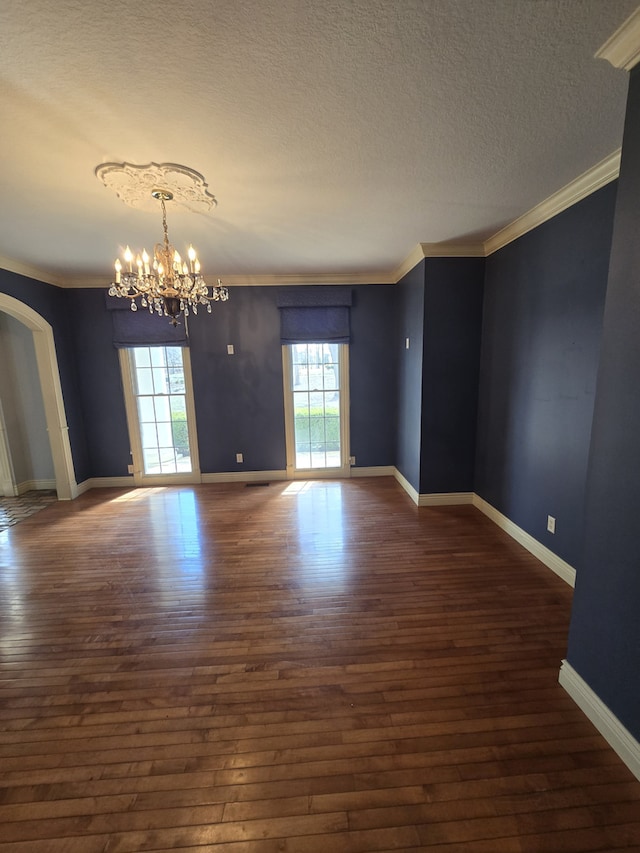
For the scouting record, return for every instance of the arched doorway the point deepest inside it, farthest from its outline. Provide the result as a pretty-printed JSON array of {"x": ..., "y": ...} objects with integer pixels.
[{"x": 49, "y": 376}]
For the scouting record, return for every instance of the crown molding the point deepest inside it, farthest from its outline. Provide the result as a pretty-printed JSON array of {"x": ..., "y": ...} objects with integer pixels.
[
  {"x": 255, "y": 280},
  {"x": 453, "y": 250},
  {"x": 622, "y": 49},
  {"x": 593, "y": 179},
  {"x": 437, "y": 250},
  {"x": 292, "y": 280},
  {"x": 30, "y": 272}
]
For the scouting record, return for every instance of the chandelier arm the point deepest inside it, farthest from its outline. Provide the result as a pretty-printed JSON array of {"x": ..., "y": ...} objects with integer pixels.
[{"x": 169, "y": 289}]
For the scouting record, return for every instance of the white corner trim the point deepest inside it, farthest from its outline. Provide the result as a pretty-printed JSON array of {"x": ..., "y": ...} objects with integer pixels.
[
  {"x": 551, "y": 560},
  {"x": 584, "y": 185},
  {"x": 373, "y": 471},
  {"x": 435, "y": 499},
  {"x": 617, "y": 736},
  {"x": 406, "y": 485},
  {"x": 437, "y": 250},
  {"x": 622, "y": 49},
  {"x": 412, "y": 260},
  {"x": 244, "y": 476},
  {"x": 445, "y": 499}
]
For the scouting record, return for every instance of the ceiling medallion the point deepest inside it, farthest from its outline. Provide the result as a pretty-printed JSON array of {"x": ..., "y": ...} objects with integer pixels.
[
  {"x": 134, "y": 184},
  {"x": 163, "y": 283}
]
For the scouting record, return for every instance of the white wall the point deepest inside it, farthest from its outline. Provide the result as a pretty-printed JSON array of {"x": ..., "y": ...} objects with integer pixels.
[{"x": 24, "y": 416}]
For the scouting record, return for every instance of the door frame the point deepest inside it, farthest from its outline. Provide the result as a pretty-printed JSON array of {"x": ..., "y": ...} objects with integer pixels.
[
  {"x": 344, "y": 471},
  {"x": 133, "y": 425},
  {"x": 51, "y": 390}
]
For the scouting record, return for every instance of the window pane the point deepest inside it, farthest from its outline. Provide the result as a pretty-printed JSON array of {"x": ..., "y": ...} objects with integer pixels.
[
  {"x": 144, "y": 381},
  {"x": 178, "y": 405},
  {"x": 162, "y": 409},
  {"x": 301, "y": 405},
  {"x": 141, "y": 357},
  {"x": 176, "y": 380},
  {"x": 165, "y": 435},
  {"x": 146, "y": 411},
  {"x": 160, "y": 384},
  {"x": 168, "y": 461},
  {"x": 148, "y": 435},
  {"x": 157, "y": 356},
  {"x": 151, "y": 459}
]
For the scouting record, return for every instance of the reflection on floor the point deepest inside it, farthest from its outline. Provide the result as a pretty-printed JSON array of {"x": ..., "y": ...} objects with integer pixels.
[{"x": 13, "y": 510}]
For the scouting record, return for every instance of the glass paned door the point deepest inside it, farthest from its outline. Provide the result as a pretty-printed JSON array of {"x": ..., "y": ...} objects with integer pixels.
[
  {"x": 317, "y": 425},
  {"x": 159, "y": 410}
]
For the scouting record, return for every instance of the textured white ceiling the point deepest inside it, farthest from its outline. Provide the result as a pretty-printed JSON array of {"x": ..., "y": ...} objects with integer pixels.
[{"x": 335, "y": 134}]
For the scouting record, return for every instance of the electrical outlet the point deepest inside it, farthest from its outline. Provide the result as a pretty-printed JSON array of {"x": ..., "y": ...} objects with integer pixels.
[
  {"x": 130, "y": 469},
  {"x": 239, "y": 457},
  {"x": 230, "y": 349},
  {"x": 551, "y": 524},
  {"x": 352, "y": 460}
]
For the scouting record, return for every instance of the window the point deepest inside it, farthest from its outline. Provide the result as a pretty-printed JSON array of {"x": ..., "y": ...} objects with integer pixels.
[
  {"x": 160, "y": 413},
  {"x": 316, "y": 410}
]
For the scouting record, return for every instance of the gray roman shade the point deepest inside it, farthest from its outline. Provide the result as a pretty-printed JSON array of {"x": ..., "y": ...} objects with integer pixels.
[
  {"x": 314, "y": 313},
  {"x": 142, "y": 329}
]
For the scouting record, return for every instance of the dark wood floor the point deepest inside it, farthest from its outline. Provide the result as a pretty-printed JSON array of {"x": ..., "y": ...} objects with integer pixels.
[{"x": 309, "y": 668}]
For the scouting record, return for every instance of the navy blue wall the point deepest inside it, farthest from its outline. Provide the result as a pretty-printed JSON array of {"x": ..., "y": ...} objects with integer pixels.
[
  {"x": 53, "y": 304},
  {"x": 239, "y": 398},
  {"x": 544, "y": 298},
  {"x": 101, "y": 394},
  {"x": 604, "y": 638},
  {"x": 410, "y": 324},
  {"x": 452, "y": 328},
  {"x": 373, "y": 365}
]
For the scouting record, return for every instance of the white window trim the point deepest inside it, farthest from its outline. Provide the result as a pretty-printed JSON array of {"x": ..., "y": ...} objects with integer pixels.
[
  {"x": 131, "y": 407},
  {"x": 344, "y": 471}
]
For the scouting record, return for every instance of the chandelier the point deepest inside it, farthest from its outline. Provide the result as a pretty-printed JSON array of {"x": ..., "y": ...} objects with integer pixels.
[{"x": 166, "y": 283}]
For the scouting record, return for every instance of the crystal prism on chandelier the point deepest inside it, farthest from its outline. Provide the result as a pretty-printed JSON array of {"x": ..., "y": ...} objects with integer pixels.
[{"x": 167, "y": 284}]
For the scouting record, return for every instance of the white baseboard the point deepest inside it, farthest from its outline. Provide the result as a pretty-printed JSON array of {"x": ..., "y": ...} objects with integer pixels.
[
  {"x": 374, "y": 471},
  {"x": 222, "y": 477},
  {"x": 105, "y": 483},
  {"x": 244, "y": 476},
  {"x": 446, "y": 499},
  {"x": 551, "y": 560},
  {"x": 609, "y": 726},
  {"x": 35, "y": 485}
]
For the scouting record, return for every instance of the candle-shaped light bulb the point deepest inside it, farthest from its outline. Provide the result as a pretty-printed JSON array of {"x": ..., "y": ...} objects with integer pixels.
[
  {"x": 139, "y": 265},
  {"x": 196, "y": 266},
  {"x": 192, "y": 256},
  {"x": 128, "y": 256},
  {"x": 145, "y": 261},
  {"x": 160, "y": 270},
  {"x": 185, "y": 269},
  {"x": 118, "y": 267}
]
